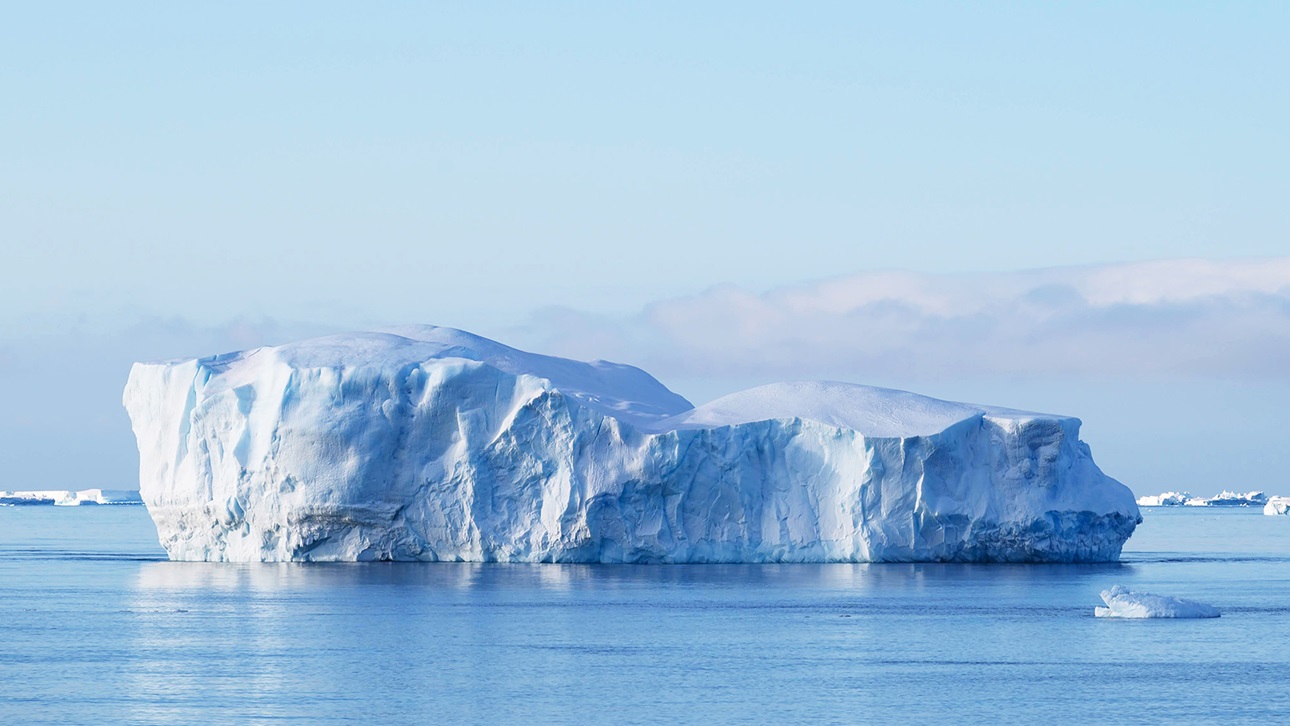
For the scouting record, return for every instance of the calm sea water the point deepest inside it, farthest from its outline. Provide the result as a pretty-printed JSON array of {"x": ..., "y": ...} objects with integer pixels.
[{"x": 99, "y": 628}]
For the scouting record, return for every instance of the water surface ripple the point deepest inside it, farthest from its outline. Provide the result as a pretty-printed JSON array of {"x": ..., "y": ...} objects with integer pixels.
[{"x": 102, "y": 629}]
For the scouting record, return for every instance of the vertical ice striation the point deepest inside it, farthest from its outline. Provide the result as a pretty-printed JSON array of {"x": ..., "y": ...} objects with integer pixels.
[{"x": 425, "y": 443}]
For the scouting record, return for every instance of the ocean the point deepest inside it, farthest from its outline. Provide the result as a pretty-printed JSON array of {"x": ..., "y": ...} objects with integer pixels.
[{"x": 100, "y": 628}]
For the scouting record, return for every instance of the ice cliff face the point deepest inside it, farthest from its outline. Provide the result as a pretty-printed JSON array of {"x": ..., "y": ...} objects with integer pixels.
[{"x": 426, "y": 443}]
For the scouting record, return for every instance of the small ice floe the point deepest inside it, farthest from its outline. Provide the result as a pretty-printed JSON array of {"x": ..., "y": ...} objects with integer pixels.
[
  {"x": 1167, "y": 499},
  {"x": 1277, "y": 505},
  {"x": 1121, "y": 602}
]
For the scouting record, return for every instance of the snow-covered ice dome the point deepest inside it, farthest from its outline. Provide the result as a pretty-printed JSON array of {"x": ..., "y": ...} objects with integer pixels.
[
  {"x": 428, "y": 443},
  {"x": 1121, "y": 602}
]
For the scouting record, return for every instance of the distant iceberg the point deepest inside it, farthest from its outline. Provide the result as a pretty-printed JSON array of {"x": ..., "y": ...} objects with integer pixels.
[
  {"x": 1231, "y": 499},
  {"x": 1277, "y": 505},
  {"x": 425, "y": 443},
  {"x": 68, "y": 498},
  {"x": 1224, "y": 499},
  {"x": 1121, "y": 602},
  {"x": 1167, "y": 499}
]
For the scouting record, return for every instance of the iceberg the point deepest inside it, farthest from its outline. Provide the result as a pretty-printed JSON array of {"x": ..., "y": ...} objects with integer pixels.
[
  {"x": 68, "y": 498},
  {"x": 1121, "y": 602},
  {"x": 29, "y": 498},
  {"x": 1167, "y": 499},
  {"x": 428, "y": 443},
  {"x": 1230, "y": 499},
  {"x": 1223, "y": 499},
  {"x": 1277, "y": 505}
]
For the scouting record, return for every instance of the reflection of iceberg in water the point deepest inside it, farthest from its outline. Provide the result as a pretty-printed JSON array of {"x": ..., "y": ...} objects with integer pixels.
[
  {"x": 190, "y": 611},
  {"x": 375, "y": 642},
  {"x": 179, "y": 580}
]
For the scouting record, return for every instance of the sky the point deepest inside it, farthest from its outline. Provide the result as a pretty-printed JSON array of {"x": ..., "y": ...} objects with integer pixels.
[{"x": 1068, "y": 207}]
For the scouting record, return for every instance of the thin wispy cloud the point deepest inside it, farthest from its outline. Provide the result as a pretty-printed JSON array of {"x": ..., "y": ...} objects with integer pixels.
[{"x": 1185, "y": 317}]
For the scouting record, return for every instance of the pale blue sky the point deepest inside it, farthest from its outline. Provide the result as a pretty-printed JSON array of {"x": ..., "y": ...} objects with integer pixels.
[{"x": 249, "y": 172}]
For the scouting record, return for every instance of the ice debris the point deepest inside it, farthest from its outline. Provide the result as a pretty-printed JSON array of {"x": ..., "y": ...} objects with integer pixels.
[{"x": 1121, "y": 602}]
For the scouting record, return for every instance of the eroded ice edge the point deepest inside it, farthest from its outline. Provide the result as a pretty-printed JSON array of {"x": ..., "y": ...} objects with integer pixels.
[
  {"x": 1121, "y": 602},
  {"x": 426, "y": 443}
]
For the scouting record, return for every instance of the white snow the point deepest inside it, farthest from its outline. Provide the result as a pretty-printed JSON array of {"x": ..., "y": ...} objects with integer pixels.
[
  {"x": 1122, "y": 602},
  {"x": 1167, "y": 499},
  {"x": 1277, "y": 505},
  {"x": 69, "y": 498},
  {"x": 434, "y": 444},
  {"x": 877, "y": 412}
]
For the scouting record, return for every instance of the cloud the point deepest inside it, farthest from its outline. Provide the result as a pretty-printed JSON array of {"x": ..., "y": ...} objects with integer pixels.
[{"x": 1183, "y": 317}]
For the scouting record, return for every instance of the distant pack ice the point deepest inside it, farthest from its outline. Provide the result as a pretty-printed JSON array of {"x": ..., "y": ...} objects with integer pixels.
[
  {"x": 426, "y": 443},
  {"x": 1222, "y": 499},
  {"x": 69, "y": 498}
]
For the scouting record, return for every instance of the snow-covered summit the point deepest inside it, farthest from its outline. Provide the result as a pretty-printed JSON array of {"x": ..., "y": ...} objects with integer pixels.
[
  {"x": 430, "y": 443},
  {"x": 867, "y": 410},
  {"x": 623, "y": 391}
]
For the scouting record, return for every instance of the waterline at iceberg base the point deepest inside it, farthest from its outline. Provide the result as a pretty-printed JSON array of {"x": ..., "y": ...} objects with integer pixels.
[{"x": 426, "y": 443}]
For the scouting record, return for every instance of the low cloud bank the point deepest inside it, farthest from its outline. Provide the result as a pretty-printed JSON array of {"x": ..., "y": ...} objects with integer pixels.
[{"x": 1186, "y": 317}]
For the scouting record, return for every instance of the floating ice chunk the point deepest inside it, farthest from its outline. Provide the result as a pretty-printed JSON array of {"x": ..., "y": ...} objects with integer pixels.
[
  {"x": 1167, "y": 499},
  {"x": 1277, "y": 505},
  {"x": 1121, "y": 602}
]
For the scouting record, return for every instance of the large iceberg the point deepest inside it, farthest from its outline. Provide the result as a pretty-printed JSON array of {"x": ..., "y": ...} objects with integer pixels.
[
  {"x": 1277, "y": 505},
  {"x": 426, "y": 443}
]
